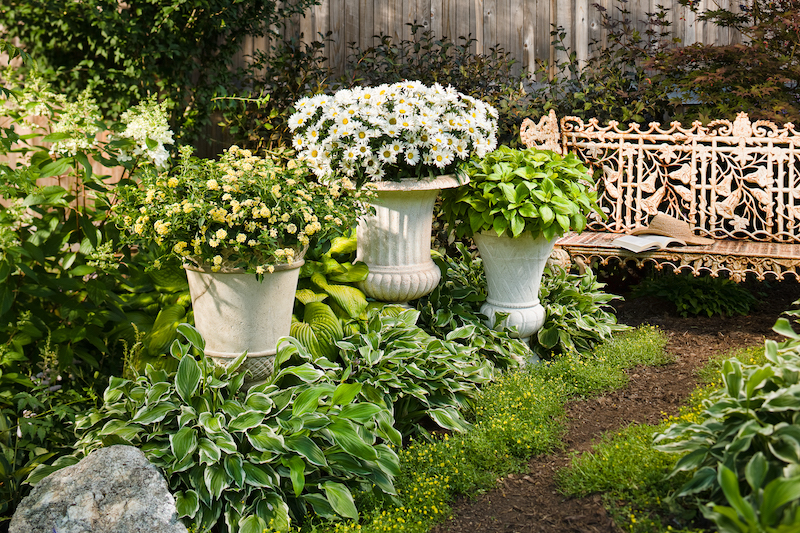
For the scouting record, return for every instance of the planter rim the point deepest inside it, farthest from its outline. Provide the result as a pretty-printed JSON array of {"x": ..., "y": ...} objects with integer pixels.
[
  {"x": 505, "y": 235},
  {"x": 445, "y": 181},
  {"x": 284, "y": 266}
]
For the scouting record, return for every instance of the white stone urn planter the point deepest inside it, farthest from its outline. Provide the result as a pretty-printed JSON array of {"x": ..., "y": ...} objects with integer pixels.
[
  {"x": 395, "y": 243},
  {"x": 236, "y": 313},
  {"x": 513, "y": 276}
]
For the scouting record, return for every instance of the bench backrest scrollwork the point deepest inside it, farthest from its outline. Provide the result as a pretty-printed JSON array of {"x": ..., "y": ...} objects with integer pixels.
[{"x": 738, "y": 180}]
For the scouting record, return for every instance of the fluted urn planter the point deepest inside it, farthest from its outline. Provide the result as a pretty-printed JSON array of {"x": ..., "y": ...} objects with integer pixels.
[
  {"x": 514, "y": 270},
  {"x": 235, "y": 312},
  {"x": 395, "y": 243}
]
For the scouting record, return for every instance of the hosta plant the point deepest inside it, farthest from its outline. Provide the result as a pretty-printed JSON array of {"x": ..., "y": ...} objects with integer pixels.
[
  {"x": 745, "y": 456},
  {"x": 296, "y": 444},
  {"x": 423, "y": 378},
  {"x": 516, "y": 191},
  {"x": 578, "y": 315}
]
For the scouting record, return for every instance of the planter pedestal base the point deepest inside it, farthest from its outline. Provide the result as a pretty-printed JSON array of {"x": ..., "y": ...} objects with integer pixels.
[{"x": 514, "y": 270}]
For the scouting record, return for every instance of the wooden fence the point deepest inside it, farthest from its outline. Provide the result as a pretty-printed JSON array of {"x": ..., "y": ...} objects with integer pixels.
[{"x": 521, "y": 27}]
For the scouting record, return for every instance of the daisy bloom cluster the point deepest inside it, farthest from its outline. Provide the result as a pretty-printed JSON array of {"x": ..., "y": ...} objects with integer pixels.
[
  {"x": 242, "y": 212},
  {"x": 391, "y": 132},
  {"x": 147, "y": 122}
]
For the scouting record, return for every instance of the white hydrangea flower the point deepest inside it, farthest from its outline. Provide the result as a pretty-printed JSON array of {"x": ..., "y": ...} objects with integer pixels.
[{"x": 147, "y": 120}]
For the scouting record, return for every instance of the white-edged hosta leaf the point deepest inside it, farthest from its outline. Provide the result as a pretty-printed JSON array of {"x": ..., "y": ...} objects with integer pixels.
[
  {"x": 183, "y": 442},
  {"x": 216, "y": 479},
  {"x": 345, "y": 435},
  {"x": 209, "y": 451},
  {"x": 187, "y": 503},
  {"x": 448, "y": 418},
  {"x": 187, "y": 380},
  {"x": 211, "y": 422},
  {"x": 259, "y": 401},
  {"x": 252, "y": 524},
  {"x": 307, "y": 448},
  {"x": 193, "y": 336},
  {"x": 150, "y": 414},
  {"x": 341, "y": 500},
  {"x": 246, "y": 420},
  {"x": 255, "y": 476},
  {"x": 266, "y": 440},
  {"x": 360, "y": 412},
  {"x": 275, "y": 511},
  {"x": 306, "y": 372},
  {"x": 234, "y": 467}
]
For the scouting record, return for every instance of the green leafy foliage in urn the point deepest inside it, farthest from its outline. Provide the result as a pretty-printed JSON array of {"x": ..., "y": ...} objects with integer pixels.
[
  {"x": 514, "y": 191},
  {"x": 241, "y": 212},
  {"x": 744, "y": 455},
  {"x": 264, "y": 457}
]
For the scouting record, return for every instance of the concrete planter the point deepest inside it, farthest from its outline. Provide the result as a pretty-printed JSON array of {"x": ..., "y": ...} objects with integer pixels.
[
  {"x": 514, "y": 274},
  {"x": 396, "y": 242},
  {"x": 235, "y": 313}
]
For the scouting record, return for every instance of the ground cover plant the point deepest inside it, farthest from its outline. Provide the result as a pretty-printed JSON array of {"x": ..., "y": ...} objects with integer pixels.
[
  {"x": 725, "y": 463},
  {"x": 515, "y": 417}
]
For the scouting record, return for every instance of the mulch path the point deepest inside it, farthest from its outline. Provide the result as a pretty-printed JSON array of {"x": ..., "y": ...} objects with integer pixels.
[{"x": 531, "y": 503}]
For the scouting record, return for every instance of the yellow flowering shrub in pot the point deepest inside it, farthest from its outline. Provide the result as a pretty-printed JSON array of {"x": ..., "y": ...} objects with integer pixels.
[
  {"x": 405, "y": 140},
  {"x": 240, "y": 227}
]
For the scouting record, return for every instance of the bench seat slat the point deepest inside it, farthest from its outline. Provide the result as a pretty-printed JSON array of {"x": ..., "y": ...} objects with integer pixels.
[{"x": 737, "y": 257}]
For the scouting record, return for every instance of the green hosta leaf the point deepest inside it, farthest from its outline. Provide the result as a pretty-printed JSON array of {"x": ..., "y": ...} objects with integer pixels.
[
  {"x": 255, "y": 476},
  {"x": 188, "y": 378},
  {"x": 234, "y": 467},
  {"x": 209, "y": 452},
  {"x": 320, "y": 505},
  {"x": 361, "y": 412},
  {"x": 778, "y": 493},
  {"x": 211, "y": 422},
  {"x": 352, "y": 274},
  {"x": 297, "y": 468},
  {"x": 449, "y": 418},
  {"x": 345, "y": 393},
  {"x": 307, "y": 448},
  {"x": 193, "y": 336},
  {"x": 187, "y": 503},
  {"x": 164, "y": 329},
  {"x": 216, "y": 480},
  {"x": 340, "y": 499},
  {"x": 304, "y": 333},
  {"x": 183, "y": 442},
  {"x": 246, "y": 420},
  {"x": 756, "y": 471},
  {"x": 150, "y": 414},
  {"x": 265, "y": 439},
  {"x": 252, "y": 524},
  {"x": 345, "y": 435},
  {"x": 729, "y": 482},
  {"x": 307, "y": 296},
  {"x": 307, "y": 401}
]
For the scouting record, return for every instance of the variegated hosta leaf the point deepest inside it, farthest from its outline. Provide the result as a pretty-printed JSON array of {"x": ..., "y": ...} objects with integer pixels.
[{"x": 350, "y": 299}]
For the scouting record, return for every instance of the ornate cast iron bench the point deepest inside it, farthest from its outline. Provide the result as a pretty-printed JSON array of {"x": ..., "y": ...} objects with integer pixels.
[{"x": 738, "y": 183}]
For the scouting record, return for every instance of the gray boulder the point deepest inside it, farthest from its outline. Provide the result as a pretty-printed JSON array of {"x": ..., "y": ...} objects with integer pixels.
[{"x": 112, "y": 490}]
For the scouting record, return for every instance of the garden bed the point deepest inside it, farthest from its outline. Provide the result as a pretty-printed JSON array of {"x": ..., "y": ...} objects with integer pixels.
[{"x": 531, "y": 502}]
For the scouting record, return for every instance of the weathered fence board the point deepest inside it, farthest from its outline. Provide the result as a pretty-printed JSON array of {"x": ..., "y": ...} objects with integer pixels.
[{"x": 521, "y": 27}]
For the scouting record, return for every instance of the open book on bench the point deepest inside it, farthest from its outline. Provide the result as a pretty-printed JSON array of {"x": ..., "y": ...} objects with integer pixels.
[{"x": 645, "y": 243}]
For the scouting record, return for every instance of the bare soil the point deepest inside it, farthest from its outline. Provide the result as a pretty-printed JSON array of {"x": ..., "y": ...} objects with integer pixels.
[{"x": 531, "y": 502}]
